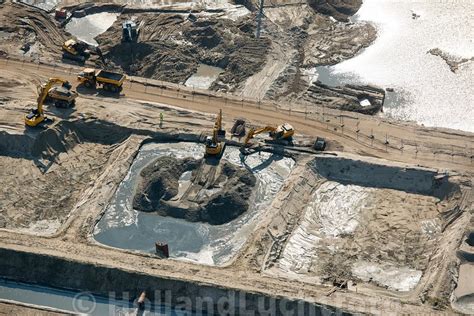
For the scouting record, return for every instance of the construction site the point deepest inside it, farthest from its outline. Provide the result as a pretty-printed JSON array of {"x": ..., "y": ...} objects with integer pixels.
[{"x": 184, "y": 158}]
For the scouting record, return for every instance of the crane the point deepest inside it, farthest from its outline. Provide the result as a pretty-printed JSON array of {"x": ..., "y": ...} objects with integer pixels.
[
  {"x": 215, "y": 144},
  {"x": 36, "y": 116}
]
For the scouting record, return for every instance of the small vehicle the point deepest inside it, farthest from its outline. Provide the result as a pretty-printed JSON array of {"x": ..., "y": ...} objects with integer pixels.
[
  {"x": 110, "y": 81},
  {"x": 320, "y": 144}
]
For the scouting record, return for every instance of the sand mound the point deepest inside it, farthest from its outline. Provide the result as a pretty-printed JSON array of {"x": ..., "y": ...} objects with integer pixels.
[{"x": 215, "y": 194}]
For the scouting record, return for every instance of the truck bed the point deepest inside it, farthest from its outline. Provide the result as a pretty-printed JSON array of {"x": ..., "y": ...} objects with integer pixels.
[{"x": 109, "y": 76}]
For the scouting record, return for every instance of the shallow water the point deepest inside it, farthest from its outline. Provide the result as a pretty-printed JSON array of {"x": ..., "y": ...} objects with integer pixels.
[
  {"x": 77, "y": 302},
  {"x": 204, "y": 77},
  {"x": 123, "y": 227},
  {"x": 90, "y": 26},
  {"x": 427, "y": 91}
]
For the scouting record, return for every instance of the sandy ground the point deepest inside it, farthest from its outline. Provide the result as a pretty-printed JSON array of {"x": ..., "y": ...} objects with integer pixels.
[
  {"x": 392, "y": 245},
  {"x": 172, "y": 46},
  {"x": 104, "y": 135}
]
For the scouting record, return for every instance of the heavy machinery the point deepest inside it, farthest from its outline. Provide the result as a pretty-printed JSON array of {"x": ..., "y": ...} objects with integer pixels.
[
  {"x": 238, "y": 130},
  {"x": 129, "y": 31},
  {"x": 62, "y": 96},
  {"x": 76, "y": 50},
  {"x": 36, "y": 116},
  {"x": 282, "y": 134},
  {"x": 110, "y": 81},
  {"x": 215, "y": 144}
]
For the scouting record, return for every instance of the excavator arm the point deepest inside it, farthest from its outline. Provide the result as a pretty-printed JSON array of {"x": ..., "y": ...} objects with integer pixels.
[
  {"x": 214, "y": 144},
  {"x": 281, "y": 132},
  {"x": 36, "y": 116},
  {"x": 252, "y": 132},
  {"x": 44, "y": 92}
]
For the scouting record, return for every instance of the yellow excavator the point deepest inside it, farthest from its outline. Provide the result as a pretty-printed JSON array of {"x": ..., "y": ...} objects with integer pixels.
[
  {"x": 215, "y": 145},
  {"x": 76, "y": 50},
  {"x": 36, "y": 116},
  {"x": 282, "y": 133}
]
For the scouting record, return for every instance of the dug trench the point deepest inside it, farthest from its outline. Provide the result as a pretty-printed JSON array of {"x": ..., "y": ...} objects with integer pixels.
[
  {"x": 186, "y": 295},
  {"x": 216, "y": 193}
]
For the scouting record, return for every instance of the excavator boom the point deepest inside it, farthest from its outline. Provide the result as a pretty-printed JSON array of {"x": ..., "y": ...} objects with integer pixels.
[
  {"x": 281, "y": 132},
  {"x": 36, "y": 116},
  {"x": 215, "y": 145}
]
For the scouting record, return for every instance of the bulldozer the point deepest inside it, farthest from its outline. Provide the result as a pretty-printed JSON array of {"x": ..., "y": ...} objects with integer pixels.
[
  {"x": 36, "y": 116},
  {"x": 76, "y": 50},
  {"x": 215, "y": 144},
  {"x": 281, "y": 134}
]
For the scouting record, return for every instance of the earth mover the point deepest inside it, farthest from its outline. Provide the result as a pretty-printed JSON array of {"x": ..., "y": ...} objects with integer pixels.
[
  {"x": 36, "y": 116},
  {"x": 76, "y": 50},
  {"x": 215, "y": 144},
  {"x": 282, "y": 135},
  {"x": 130, "y": 31},
  {"x": 110, "y": 81}
]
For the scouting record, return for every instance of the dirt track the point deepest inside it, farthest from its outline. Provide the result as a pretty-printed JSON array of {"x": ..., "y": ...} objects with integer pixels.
[{"x": 407, "y": 142}]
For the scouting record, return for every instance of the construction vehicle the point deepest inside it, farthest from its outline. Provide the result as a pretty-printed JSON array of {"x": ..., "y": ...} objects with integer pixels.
[
  {"x": 281, "y": 134},
  {"x": 76, "y": 50},
  {"x": 62, "y": 96},
  {"x": 36, "y": 116},
  {"x": 319, "y": 144},
  {"x": 129, "y": 31},
  {"x": 215, "y": 144},
  {"x": 238, "y": 130},
  {"x": 110, "y": 81}
]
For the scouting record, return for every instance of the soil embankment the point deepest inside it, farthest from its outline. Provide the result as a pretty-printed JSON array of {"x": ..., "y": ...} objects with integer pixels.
[
  {"x": 339, "y": 9},
  {"x": 363, "y": 173},
  {"x": 215, "y": 194},
  {"x": 57, "y": 165}
]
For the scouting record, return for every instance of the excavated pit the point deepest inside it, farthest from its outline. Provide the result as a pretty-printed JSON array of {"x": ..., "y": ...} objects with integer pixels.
[
  {"x": 209, "y": 235},
  {"x": 366, "y": 221},
  {"x": 214, "y": 194}
]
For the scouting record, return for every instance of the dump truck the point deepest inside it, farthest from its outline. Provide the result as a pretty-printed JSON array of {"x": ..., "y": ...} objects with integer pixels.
[
  {"x": 62, "y": 96},
  {"x": 110, "y": 81}
]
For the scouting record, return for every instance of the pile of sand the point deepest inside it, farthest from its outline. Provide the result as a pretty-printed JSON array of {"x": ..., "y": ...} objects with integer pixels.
[{"x": 215, "y": 194}]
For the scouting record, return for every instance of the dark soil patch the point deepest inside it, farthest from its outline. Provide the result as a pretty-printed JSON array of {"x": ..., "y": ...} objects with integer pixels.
[{"x": 216, "y": 195}]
